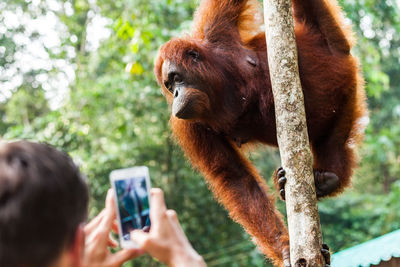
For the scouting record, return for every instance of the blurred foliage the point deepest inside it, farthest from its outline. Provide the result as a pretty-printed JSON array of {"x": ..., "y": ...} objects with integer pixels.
[{"x": 114, "y": 115}]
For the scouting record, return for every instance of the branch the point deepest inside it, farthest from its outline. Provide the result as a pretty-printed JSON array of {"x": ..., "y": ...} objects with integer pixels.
[{"x": 301, "y": 203}]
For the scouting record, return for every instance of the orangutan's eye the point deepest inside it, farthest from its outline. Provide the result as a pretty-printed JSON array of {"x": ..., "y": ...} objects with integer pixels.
[
  {"x": 194, "y": 55},
  {"x": 177, "y": 78},
  {"x": 168, "y": 86}
]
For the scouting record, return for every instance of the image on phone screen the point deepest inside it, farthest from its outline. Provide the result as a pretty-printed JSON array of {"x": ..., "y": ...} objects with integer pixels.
[{"x": 133, "y": 205}]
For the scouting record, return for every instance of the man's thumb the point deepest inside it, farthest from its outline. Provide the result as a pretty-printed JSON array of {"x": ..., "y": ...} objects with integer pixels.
[{"x": 140, "y": 238}]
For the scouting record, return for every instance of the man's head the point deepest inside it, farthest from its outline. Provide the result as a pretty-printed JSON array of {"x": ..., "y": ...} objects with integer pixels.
[{"x": 43, "y": 201}]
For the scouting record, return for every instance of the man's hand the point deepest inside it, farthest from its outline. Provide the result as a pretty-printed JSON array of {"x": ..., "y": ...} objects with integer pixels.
[
  {"x": 98, "y": 239},
  {"x": 166, "y": 240}
]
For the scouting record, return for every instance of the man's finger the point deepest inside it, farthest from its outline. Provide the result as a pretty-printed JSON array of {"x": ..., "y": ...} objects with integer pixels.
[
  {"x": 110, "y": 201},
  {"x": 114, "y": 226},
  {"x": 112, "y": 242},
  {"x": 102, "y": 230},
  {"x": 94, "y": 222},
  {"x": 110, "y": 214},
  {"x": 140, "y": 238},
  {"x": 118, "y": 258},
  {"x": 157, "y": 205},
  {"x": 171, "y": 214},
  {"x": 173, "y": 218}
]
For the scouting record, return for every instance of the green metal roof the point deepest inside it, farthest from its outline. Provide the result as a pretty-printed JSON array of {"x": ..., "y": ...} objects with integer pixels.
[{"x": 373, "y": 251}]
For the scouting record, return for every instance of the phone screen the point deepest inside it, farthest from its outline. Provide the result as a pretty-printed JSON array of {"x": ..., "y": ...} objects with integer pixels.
[{"x": 133, "y": 205}]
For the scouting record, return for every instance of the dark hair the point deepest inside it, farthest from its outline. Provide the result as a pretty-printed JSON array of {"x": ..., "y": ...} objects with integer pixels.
[{"x": 43, "y": 200}]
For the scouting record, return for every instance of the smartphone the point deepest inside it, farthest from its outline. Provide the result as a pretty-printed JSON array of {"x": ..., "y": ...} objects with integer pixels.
[{"x": 132, "y": 198}]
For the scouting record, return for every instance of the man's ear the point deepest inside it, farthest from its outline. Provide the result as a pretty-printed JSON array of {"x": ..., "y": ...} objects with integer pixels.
[{"x": 77, "y": 247}]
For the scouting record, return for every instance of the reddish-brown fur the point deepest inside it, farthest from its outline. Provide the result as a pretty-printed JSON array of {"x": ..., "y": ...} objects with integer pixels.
[{"x": 232, "y": 71}]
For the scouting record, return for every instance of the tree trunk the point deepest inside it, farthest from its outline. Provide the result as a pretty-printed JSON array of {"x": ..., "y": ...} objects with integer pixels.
[{"x": 301, "y": 204}]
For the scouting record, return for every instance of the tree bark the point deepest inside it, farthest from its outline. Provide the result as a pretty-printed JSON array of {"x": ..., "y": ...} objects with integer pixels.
[{"x": 301, "y": 204}]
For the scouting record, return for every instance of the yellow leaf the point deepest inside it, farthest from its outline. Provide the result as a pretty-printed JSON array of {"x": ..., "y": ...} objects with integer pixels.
[{"x": 136, "y": 68}]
